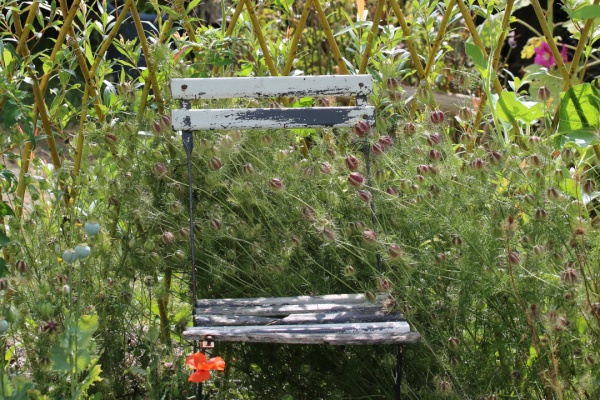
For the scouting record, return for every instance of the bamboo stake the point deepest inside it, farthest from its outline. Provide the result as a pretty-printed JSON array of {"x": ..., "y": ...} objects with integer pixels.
[
  {"x": 86, "y": 95},
  {"x": 331, "y": 39},
  {"x": 374, "y": 29},
  {"x": 22, "y": 37},
  {"x": 574, "y": 63},
  {"x": 296, "y": 38},
  {"x": 261, "y": 39},
  {"x": 236, "y": 14},
  {"x": 151, "y": 71},
  {"x": 411, "y": 47},
  {"x": 440, "y": 36}
]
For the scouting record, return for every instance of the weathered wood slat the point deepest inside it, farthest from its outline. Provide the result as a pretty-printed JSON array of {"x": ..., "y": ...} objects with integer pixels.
[
  {"x": 285, "y": 310},
  {"x": 281, "y": 86},
  {"x": 272, "y": 301},
  {"x": 270, "y": 118},
  {"x": 335, "y": 334},
  {"x": 295, "y": 319}
]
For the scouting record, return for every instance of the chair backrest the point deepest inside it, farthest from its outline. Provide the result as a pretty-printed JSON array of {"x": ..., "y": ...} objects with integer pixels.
[{"x": 186, "y": 119}]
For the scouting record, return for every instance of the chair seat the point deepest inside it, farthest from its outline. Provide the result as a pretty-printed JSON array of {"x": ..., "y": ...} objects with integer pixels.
[{"x": 332, "y": 319}]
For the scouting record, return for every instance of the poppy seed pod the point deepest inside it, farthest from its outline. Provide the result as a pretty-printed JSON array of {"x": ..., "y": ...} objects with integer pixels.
[
  {"x": 352, "y": 163},
  {"x": 215, "y": 164},
  {"x": 453, "y": 343},
  {"x": 69, "y": 256},
  {"x": 437, "y": 117},
  {"x": 409, "y": 129},
  {"x": 362, "y": 129},
  {"x": 82, "y": 251},
  {"x": 544, "y": 93},
  {"x": 275, "y": 185},
  {"x": 355, "y": 179}
]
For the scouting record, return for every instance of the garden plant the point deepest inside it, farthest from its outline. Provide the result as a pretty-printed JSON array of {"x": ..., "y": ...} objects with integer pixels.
[{"x": 480, "y": 225}]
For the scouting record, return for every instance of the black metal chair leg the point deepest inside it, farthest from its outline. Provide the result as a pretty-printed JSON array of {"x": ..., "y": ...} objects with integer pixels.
[{"x": 398, "y": 372}]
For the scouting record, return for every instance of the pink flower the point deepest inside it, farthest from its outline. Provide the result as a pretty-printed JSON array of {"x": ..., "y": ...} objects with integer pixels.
[{"x": 544, "y": 57}]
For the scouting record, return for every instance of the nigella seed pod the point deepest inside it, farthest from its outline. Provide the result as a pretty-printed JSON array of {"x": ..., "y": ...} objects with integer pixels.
[
  {"x": 453, "y": 343},
  {"x": 590, "y": 360},
  {"x": 355, "y": 179},
  {"x": 275, "y": 185},
  {"x": 168, "y": 238},
  {"x": 392, "y": 83},
  {"x": 567, "y": 155},
  {"x": 395, "y": 252},
  {"x": 420, "y": 178},
  {"x": 466, "y": 138},
  {"x": 165, "y": 120},
  {"x": 544, "y": 93},
  {"x": 529, "y": 199},
  {"x": 444, "y": 387},
  {"x": 434, "y": 155},
  {"x": 439, "y": 258},
  {"x": 409, "y": 129},
  {"x": 392, "y": 191},
  {"x": 434, "y": 190},
  {"x": 385, "y": 285},
  {"x": 369, "y": 237},
  {"x": 386, "y": 141},
  {"x": 495, "y": 158},
  {"x": 248, "y": 170},
  {"x": 266, "y": 141},
  {"x": 308, "y": 172},
  {"x": 540, "y": 214},
  {"x": 456, "y": 240},
  {"x": 434, "y": 139},
  {"x": 478, "y": 164},
  {"x": 282, "y": 155},
  {"x": 21, "y": 266},
  {"x": 110, "y": 140},
  {"x": 349, "y": 270},
  {"x": 352, "y": 163},
  {"x": 465, "y": 114},
  {"x": 588, "y": 187},
  {"x": 364, "y": 195},
  {"x": 328, "y": 235},
  {"x": 149, "y": 245},
  {"x": 184, "y": 234},
  {"x": 215, "y": 164},
  {"x": 157, "y": 128},
  {"x": 325, "y": 168},
  {"x": 526, "y": 241},
  {"x": 534, "y": 140},
  {"x": 453, "y": 362},
  {"x": 215, "y": 225},
  {"x": 559, "y": 175},
  {"x": 370, "y": 295},
  {"x": 309, "y": 214},
  {"x": 422, "y": 169},
  {"x": 514, "y": 258},
  {"x": 437, "y": 117},
  {"x": 534, "y": 158},
  {"x": 378, "y": 149},
  {"x": 569, "y": 276},
  {"x": 159, "y": 169},
  {"x": 539, "y": 250},
  {"x": 553, "y": 194},
  {"x": 296, "y": 167},
  {"x": 362, "y": 129}
]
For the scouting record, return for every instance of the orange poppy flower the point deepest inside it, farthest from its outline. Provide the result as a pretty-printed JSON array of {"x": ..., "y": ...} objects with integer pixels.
[{"x": 198, "y": 362}]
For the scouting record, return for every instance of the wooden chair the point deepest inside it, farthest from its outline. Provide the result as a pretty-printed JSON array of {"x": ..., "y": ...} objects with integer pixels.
[{"x": 337, "y": 319}]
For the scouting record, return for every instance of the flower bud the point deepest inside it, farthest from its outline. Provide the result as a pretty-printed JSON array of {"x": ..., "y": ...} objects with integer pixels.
[
  {"x": 453, "y": 343},
  {"x": 465, "y": 114},
  {"x": 364, "y": 195},
  {"x": 362, "y": 129},
  {"x": 544, "y": 93},
  {"x": 266, "y": 141},
  {"x": 168, "y": 238},
  {"x": 275, "y": 185},
  {"x": 588, "y": 187},
  {"x": 437, "y": 117},
  {"x": 378, "y": 149},
  {"x": 569, "y": 276},
  {"x": 215, "y": 164}
]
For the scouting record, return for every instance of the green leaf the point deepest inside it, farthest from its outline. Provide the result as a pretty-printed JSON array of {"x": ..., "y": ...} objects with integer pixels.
[
  {"x": 476, "y": 55},
  {"x": 581, "y": 138},
  {"x": 191, "y": 6},
  {"x": 4, "y": 240},
  {"x": 5, "y": 210},
  {"x": 10, "y": 114},
  {"x": 152, "y": 334},
  {"x": 3, "y": 268},
  {"x": 510, "y": 109},
  {"x": 582, "y": 325},
  {"x": 579, "y": 109},
  {"x": 586, "y": 12}
]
